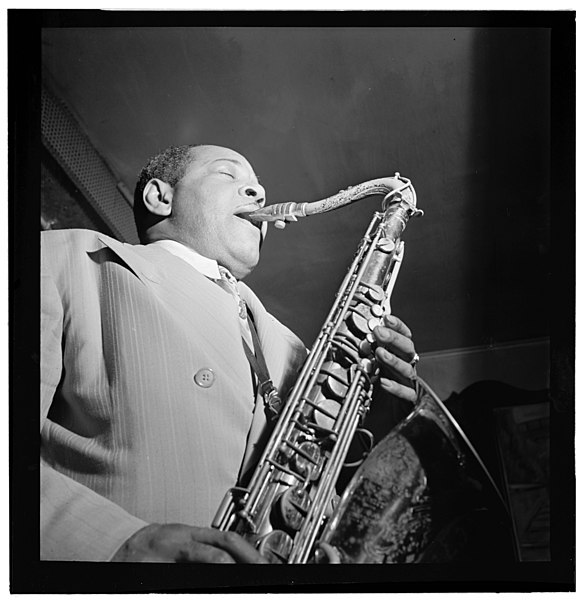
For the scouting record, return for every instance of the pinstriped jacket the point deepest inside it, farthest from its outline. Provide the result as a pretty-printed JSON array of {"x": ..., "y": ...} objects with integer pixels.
[{"x": 128, "y": 434}]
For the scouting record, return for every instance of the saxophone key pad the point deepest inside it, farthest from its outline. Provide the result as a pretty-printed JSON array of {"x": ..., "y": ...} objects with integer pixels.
[
  {"x": 375, "y": 293},
  {"x": 334, "y": 380},
  {"x": 328, "y": 418},
  {"x": 366, "y": 365},
  {"x": 359, "y": 298},
  {"x": 367, "y": 348},
  {"x": 377, "y": 310},
  {"x": 335, "y": 389},
  {"x": 386, "y": 245},
  {"x": 308, "y": 467},
  {"x": 364, "y": 310},
  {"x": 276, "y": 547},
  {"x": 291, "y": 508},
  {"x": 357, "y": 324}
]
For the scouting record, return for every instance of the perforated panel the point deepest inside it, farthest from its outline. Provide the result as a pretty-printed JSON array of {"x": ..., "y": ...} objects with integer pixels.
[{"x": 71, "y": 148}]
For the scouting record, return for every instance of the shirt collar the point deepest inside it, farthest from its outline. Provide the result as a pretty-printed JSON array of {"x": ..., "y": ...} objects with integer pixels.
[{"x": 206, "y": 266}]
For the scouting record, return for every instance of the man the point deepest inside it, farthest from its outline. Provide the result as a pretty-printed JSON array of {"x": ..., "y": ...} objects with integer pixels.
[{"x": 149, "y": 413}]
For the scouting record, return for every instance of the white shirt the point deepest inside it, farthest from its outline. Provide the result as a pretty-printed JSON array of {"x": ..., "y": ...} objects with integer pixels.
[{"x": 206, "y": 266}]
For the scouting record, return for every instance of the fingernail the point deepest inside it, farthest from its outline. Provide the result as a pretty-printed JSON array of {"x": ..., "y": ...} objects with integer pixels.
[
  {"x": 386, "y": 383},
  {"x": 389, "y": 320}
]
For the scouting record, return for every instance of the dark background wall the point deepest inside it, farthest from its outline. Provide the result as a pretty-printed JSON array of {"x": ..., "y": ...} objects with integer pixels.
[{"x": 463, "y": 112}]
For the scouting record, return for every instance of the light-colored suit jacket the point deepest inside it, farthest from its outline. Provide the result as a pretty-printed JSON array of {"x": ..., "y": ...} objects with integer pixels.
[{"x": 128, "y": 434}]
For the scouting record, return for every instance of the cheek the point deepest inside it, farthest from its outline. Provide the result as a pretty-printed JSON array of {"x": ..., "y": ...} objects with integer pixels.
[{"x": 197, "y": 220}]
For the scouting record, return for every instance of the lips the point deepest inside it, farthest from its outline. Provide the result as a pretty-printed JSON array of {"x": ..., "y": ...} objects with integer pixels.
[{"x": 244, "y": 213}]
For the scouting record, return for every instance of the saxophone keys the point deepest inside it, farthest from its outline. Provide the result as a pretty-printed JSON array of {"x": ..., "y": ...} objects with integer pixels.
[
  {"x": 326, "y": 412},
  {"x": 334, "y": 380},
  {"x": 290, "y": 509},
  {"x": 374, "y": 292},
  {"x": 357, "y": 324},
  {"x": 335, "y": 388},
  {"x": 327, "y": 554},
  {"x": 376, "y": 310},
  {"x": 386, "y": 245},
  {"x": 313, "y": 398},
  {"x": 276, "y": 547},
  {"x": 306, "y": 460},
  {"x": 332, "y": 505},
  {"x": 367, "y": 365},
  {"x": 366, "y": 348}
]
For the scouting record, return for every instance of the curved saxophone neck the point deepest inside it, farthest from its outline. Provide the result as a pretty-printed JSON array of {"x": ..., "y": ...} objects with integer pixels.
[{"x": 395, "y": 189}]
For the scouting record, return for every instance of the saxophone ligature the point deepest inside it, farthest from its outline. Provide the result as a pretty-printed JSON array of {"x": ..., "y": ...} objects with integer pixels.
[{"x": 388, "y": 512}]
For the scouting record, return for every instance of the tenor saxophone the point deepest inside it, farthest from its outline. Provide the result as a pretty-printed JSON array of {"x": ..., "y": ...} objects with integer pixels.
[{"x": 388, "y": 512}]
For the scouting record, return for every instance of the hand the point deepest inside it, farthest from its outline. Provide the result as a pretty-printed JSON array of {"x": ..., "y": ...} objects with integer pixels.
[
  {"x": 182, "y": 543},
  {"x": 394, "y": 353}
]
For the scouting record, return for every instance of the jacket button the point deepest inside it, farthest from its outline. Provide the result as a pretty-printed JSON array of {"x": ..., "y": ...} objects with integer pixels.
[{"x": 204, "y": 378}]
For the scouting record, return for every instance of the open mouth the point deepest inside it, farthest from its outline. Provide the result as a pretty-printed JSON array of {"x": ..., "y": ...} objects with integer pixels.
[{"x": 246, "y": 216}]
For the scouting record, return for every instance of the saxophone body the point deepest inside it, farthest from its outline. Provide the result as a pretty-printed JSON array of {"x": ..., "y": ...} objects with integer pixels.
[{"x": 409, "y": 488}]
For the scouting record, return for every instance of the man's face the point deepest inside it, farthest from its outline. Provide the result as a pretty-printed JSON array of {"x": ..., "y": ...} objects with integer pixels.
[{"x": 209, "y": 204}]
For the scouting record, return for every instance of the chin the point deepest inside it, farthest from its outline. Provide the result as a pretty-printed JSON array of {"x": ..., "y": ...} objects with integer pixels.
[
  {"x": 242, "y": 268},
  {"x": 243, "y": 271}
]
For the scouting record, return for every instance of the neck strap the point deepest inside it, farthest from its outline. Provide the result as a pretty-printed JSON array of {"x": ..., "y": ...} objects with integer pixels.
[{"x": 267, "y": 389}]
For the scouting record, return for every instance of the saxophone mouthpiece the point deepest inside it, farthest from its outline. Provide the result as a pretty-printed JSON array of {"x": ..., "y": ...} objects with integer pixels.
[
  {"x": 260, "y": 215},
  {"x": 279, "y": 213}
]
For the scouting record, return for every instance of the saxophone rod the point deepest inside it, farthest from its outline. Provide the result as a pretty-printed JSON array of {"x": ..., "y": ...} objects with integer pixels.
[{"x": 290, "y": 211}]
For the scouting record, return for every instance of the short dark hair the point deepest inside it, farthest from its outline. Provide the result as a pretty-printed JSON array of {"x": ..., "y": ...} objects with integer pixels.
[{"x": 170, "y": 166}]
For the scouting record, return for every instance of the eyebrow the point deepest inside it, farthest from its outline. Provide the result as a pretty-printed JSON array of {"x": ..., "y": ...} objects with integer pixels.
[{"x": 236, "y": 162}]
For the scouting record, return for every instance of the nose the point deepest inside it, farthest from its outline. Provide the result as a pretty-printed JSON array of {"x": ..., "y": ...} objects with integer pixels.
[{"x": 256, "y": 192}]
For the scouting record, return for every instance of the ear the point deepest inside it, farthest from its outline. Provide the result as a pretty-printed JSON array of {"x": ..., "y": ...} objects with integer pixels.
[{"x": 157, "y": 197}]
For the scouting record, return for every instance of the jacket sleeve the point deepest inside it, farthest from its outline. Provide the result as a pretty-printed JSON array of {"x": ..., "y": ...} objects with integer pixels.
[{"x": 76, "y": 523}]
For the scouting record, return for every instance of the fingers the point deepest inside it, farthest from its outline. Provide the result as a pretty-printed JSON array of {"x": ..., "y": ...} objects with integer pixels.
[
  {"x": 398, "y": 325},
  {"x": 399, "y": 377},
  {"x": 195, "y": 552},
  {"x": 235, "y": 545},
  {"x": 394, "y": 352},
  {"x": 176, "y": 542},
  {"x": 392, "y": 365},
  {"x": 398, "y": 389},
  {"x": 397, "y": 343}
]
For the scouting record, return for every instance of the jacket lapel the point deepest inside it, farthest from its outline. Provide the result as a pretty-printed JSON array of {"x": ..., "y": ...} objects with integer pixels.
[
  {"x": 190, "y": 296},
  {"x": 131, "y": 256}
]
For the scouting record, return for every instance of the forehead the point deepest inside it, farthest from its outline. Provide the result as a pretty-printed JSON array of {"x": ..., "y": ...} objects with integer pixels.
[{"x": 203, "y": 156}]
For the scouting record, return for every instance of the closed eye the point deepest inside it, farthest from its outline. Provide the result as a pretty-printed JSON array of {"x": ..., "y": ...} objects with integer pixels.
[{"x": 227, "y": 173}]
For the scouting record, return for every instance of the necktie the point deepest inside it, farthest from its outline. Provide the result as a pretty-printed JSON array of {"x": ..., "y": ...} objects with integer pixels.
[
  {"x": 228, "y": 283},
  {"x": 251, "y": 345}
]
